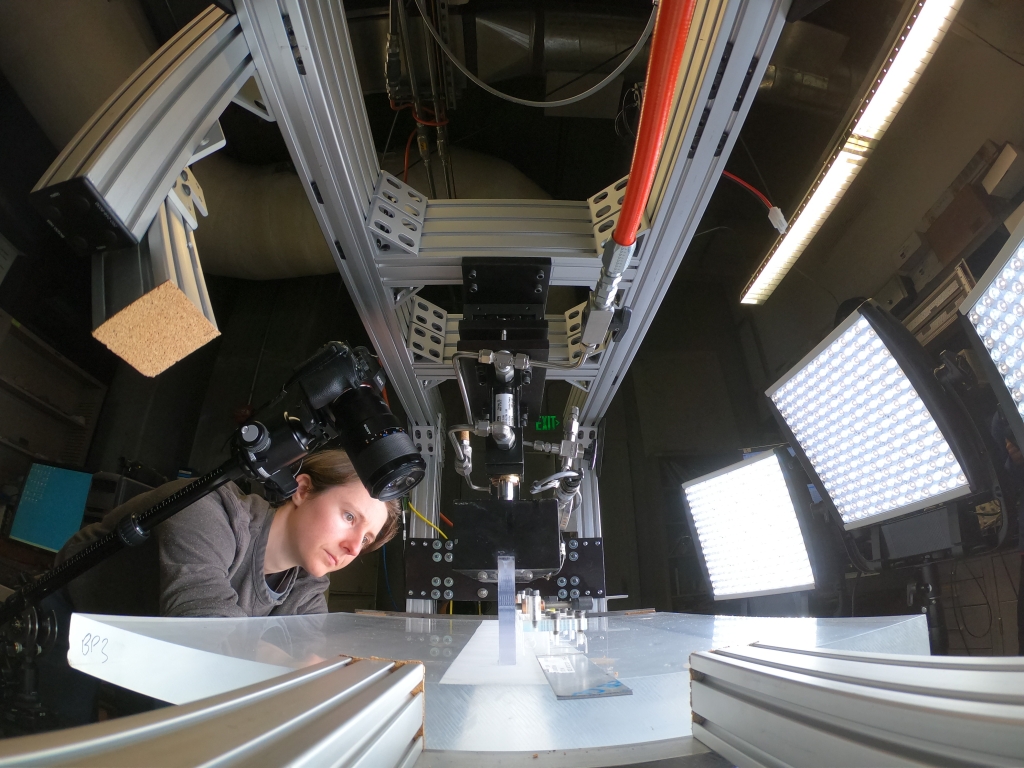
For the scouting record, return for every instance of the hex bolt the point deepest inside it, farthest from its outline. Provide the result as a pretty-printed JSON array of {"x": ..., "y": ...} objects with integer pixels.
[{"x": 482, "y": 593}]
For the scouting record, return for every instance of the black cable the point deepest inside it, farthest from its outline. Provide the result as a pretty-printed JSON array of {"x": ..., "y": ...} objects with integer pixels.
[
  {"x": 817, "y": 284},
  {"x": 757, "y": 170},
  {"x": 960, "y": 625},
  {"x": 1009, "y": 576},
  {"x": 956, "y": 600},
  {"x": 853, "y": 596},
  {"x": 390, "y": 134},
  {"x": 610, "y": 59},
  {"x": 995, "y": 48}
]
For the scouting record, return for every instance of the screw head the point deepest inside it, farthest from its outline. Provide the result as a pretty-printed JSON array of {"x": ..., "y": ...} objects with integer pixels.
[
  {"x": 574, "y": 556},
  {"x": 437, "y": 544},
  {"x": 573, "y": 544},
  {"x": 437, "y": 557},
  {"x": 435, "y": 594},
  {"x": 448, "y": 594},
  {"x": 482, "y": 593},
  {"x": 448, "y": 557},
  {"x": 436, "y": 581},
  {"x": 560, "y": 581},
  {"x": 528, "y": 575},
  {"x": 472, "y": 274},
  {"x": 575, "y": 580},
  {"x": 449, "y": 544},
  {"x": 562, "y": 594},
  {"x": 481, "y": 576},
  {"x": 449, "y": 581},
  {"x": 574, "y": 593}
]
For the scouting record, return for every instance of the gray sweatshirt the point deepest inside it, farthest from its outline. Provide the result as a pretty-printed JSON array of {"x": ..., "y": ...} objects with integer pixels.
[{"x": 207, "y": 560}]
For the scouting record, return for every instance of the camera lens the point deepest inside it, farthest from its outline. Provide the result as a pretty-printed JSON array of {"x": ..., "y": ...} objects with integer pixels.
[{"x": 382, "y": 452}]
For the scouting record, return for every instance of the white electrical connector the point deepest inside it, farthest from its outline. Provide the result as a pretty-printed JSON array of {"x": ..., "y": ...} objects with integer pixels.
[{"x": 777, "y": 219}]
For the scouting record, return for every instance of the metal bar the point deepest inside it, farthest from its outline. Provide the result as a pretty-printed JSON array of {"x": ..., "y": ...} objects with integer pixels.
[
  {"x": 693, "y": 164},
  {"x": 339, "y": 712},
  {"x": 323, "y": 120},
  {"x": 133, "y": 147},
  {"x": 767, "y": 705}
]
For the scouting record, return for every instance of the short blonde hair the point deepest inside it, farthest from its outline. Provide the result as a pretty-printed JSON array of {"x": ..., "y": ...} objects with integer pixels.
[{"x": 330, "y": 468}]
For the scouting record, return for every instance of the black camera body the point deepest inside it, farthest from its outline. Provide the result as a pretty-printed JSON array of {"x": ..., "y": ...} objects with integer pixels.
[{"x": 336, "y": 397}]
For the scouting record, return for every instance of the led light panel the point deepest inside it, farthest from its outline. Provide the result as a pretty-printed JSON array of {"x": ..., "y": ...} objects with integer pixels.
[
  {"x": 865, "y": 429},
  {"x": 997, "y": 314},
  {"x": 747, "y": 529}
]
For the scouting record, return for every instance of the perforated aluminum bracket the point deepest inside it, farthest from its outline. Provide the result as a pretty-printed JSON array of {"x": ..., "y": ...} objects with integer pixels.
[
  {"x": 604, "y": 212},
  {"x": 395, "y": 217},
  {"x": 424, "y": 325},
  {"x": 574, "y": 333},
  {"x": 425, "y": 440}
]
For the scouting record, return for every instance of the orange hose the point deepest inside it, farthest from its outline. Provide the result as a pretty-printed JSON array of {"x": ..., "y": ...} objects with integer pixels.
[{"x": 669, "y": 41}]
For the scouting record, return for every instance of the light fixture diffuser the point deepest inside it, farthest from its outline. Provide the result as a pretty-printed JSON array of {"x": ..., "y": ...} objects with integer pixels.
[
  {"x": 909, "y": 55},
  {"x": 865, "y": 430},
  {"x": 995, "y": 309},
  {"x": 747, "y": 529}
]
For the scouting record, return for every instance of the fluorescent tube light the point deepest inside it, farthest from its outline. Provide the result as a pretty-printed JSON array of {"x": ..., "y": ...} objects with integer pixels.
[
  {"x": 747, "y": 529},
  {"x": 913, "y": 49}
]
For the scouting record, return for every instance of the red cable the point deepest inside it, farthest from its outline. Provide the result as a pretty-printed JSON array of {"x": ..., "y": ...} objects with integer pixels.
[
  {"x": 667, "y": 46},
  {"x": 417, "y": 118},
  {"x": 408, "y": 145},
  {"x": 445, "y": 520},
  {"x": 750, "y": 187}
]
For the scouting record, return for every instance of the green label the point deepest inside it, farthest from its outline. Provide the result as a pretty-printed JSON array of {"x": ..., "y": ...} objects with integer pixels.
[{"x": 547, "y": 423}]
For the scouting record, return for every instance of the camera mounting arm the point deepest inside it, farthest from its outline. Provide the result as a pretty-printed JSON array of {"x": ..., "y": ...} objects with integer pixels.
[{"x": 335, "y": 395}]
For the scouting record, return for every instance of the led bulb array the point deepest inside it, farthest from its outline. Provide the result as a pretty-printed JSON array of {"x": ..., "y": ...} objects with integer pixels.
[
  {"x": 748, "y": 531},
  {"x": 866, "y": 431},
  {"x": 998, "y": 317}
]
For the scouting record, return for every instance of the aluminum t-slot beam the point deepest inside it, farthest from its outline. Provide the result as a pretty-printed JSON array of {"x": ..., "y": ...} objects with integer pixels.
[
  {"x": 303, "y": 54},
  {"x": 342, "y": 712},
  {"x": 767, "y": 705},
  {"x": 304, "y": 58},
  {"x": 105, "y": 187},
  {"x": 561, "y": 230},
  {"x": 731, "y": 43}
]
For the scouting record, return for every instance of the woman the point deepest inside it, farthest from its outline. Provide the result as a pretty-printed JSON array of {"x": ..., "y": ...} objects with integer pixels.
[{"x": 234, "y": 554}]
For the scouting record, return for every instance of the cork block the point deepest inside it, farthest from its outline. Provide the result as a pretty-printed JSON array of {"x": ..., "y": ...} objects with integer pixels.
[{"x": 156, "y": 330}]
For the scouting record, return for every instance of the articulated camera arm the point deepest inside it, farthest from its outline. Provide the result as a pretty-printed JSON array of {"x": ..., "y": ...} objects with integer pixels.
[{"x": 334, "y": 394}]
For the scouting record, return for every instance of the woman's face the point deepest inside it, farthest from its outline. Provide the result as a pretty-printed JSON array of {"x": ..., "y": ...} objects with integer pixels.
[{"x": 328, "y": 530}]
